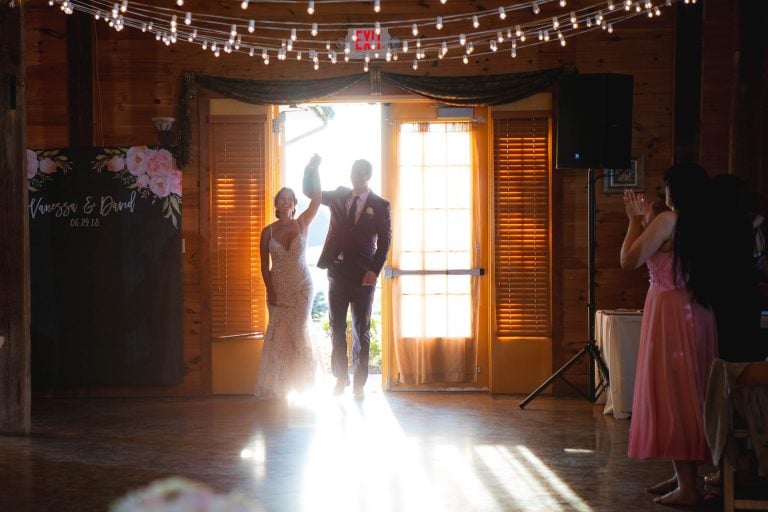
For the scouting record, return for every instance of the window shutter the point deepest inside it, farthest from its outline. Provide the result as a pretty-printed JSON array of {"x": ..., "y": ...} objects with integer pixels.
[
  {"x": 521, "y": 218},
  {"x": 238, "y": 296}
]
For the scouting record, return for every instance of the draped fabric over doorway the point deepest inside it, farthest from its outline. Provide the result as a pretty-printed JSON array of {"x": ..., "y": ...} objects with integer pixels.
[{"x": 455, "y": 90}]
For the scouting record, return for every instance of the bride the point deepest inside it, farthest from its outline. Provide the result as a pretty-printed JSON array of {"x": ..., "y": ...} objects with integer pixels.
[{"x": 289, "y": 361}]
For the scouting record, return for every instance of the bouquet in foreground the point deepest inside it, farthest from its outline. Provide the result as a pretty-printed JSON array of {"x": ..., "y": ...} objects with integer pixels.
[{"x": 181, "y": 495}]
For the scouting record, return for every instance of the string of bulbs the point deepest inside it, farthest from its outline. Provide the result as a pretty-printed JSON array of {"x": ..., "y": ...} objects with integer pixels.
[{"x": 283, "y": 40}]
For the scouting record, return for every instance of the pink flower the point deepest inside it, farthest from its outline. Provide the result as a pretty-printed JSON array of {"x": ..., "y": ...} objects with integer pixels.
[
  {"x": 136, "y": 160},
  {"x": 48, "y": 166},
  {"x": 142, "y": 181},
  {"x": 160, "y": 186},
  {"x": 116, "y": 164},
  {"x": 160, "y": 163},
  {"x": 31, "y": 164},
  {"x": 175, "y": 180}
]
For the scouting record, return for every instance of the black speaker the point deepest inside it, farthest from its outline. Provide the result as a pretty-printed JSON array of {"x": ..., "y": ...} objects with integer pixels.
[{"x": 594, "y": 122}]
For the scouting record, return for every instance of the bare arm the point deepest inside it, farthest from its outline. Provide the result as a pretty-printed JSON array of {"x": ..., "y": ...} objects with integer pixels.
[
  {"x": 640, "y": 244},
  {"x": 264, "y": 254},
  {"x": 311, "y": 175}
]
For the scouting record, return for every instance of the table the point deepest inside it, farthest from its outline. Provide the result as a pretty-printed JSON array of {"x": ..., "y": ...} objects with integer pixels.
[{"x": 617, "y": 334}]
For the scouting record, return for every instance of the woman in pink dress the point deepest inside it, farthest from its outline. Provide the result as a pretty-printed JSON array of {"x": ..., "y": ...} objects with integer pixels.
[{"x": 678, "y": 339}]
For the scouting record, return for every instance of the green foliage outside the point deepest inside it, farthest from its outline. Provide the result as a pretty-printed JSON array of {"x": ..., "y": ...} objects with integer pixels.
[{"x": 374, "y": 354}]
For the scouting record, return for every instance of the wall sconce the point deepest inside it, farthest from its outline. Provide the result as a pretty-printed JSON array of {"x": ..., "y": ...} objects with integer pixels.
[{"x": 165, "y": 134}]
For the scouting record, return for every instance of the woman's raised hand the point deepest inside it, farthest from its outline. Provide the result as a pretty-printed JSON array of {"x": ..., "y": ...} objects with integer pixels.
[{"x": 635, "y": 205}]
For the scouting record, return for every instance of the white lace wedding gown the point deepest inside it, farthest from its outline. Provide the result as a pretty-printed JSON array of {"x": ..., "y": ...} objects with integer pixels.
[{"x": 290, "y": 360}]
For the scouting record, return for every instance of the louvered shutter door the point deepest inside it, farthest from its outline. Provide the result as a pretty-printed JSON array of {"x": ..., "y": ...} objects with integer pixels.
[
  {"x": 238, "y": 296},
  {"x": 521, "y": 218}
]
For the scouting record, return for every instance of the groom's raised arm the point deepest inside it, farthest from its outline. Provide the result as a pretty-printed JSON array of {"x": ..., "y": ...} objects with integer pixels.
[{"x": 311, "y": 182}]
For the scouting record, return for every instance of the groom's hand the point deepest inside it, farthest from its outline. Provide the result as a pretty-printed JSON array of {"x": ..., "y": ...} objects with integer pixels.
[
  {"x": 369, "y": 279},
  {"x": 314, "y": 162}
]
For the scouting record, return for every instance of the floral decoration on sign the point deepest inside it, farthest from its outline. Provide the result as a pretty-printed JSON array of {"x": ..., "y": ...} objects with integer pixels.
[
  {"x": 177, "y": 494},
  {"x": 42, "y": 165},
  {"x": 149, "y": 171}
]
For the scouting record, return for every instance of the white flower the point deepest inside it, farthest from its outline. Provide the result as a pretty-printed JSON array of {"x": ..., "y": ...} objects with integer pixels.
[
  {"x": 369, "y": 211},
  {"x": 177, "y": 494}
]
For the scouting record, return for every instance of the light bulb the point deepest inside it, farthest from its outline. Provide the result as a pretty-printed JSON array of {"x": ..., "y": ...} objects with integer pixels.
[
  {"x": 439, "y": 23},
  {"x": 503, "y": 13},
  {"x": 314, "y": 29},
  {"x": 535, "y": 7},
  {"x": 244, "y": 4},
  {"x": 252, "y": 26},
  {"x": 414, "y": 30},
  {"x": 377, "y": 6},
  {"x": 462, "y": 39},
  {"x": 555, "y": 23},
  {"x": 465, "y": 59},
  {"x": 475, "y": 21},
  {"x": 377, "y": 28},
  {"x": 179, "y": 2},
  {"x": 293, "y": 34},
  {"x": 311, "y": 7},
  {"x": 188, "y": 18}
]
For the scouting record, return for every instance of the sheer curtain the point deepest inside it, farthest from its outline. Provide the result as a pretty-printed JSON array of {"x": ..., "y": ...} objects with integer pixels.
[{"x": 435, "y": 299}]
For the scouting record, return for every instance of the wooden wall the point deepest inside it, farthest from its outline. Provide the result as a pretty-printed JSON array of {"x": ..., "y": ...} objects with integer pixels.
[{"x": 137, "y": 77}]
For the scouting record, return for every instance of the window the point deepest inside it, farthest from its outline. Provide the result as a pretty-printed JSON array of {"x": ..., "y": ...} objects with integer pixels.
[
  {"x": 238, "y": 297},
  {"x": 436, "y": 229},
  {"x": 521, "y": 218}
]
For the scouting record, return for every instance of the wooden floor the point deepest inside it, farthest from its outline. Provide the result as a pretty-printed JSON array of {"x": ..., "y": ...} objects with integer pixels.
[{"x": 391, "y": 452}]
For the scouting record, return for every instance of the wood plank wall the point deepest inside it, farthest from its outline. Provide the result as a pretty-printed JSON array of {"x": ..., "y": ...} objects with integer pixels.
[
  {"x": 138, "y": 78},
  {"x": 15, "y": 354}
]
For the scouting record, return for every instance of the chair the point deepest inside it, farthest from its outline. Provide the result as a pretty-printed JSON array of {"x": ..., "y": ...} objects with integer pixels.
[{"x": 754, "y": 374}]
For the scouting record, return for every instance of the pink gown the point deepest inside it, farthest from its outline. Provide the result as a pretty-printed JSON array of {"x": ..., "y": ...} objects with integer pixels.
[{"x": 678, "y": 342}]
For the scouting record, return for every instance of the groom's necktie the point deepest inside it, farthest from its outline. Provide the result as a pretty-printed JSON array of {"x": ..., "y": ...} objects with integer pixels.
[{"x": 352, "y": 211}]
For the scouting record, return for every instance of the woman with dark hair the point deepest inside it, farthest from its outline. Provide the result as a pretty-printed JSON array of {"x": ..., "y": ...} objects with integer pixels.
[
  {"x": 289, "y": 360},
  {"x": 736, "y": 302},
  {"x": 678, "y": 337}
]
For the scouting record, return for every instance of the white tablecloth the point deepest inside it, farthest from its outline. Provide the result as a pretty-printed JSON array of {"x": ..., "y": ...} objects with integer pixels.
[{"x": 617, "y": 333}]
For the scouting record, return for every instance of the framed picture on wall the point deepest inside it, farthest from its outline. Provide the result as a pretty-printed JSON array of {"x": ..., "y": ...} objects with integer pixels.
[{"x": 619, "y": 180}]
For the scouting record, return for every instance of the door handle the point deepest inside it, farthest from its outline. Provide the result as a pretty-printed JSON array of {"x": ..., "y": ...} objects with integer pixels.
[{"x": 390, "y": 272}]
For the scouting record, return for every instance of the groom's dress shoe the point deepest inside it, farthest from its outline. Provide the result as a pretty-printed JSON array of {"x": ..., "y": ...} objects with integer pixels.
[{"x": 338, "y": 389}]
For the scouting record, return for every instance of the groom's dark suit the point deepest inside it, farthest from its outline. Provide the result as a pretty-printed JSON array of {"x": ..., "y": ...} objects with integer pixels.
[{"x": 351, "y": 250}]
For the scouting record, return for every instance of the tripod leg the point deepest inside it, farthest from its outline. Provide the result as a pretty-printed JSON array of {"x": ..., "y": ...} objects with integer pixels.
[{"x": 554, "y": 377}]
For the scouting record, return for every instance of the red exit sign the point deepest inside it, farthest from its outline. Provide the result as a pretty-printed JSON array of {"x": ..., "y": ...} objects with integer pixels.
[{"x": 366, "y": 40}]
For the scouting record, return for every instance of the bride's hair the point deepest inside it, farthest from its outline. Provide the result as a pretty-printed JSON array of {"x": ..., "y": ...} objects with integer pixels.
[{"x": 293, "y": 196}]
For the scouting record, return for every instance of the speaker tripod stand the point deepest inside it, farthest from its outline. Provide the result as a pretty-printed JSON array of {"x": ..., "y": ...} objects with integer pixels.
[{"x": 590, "y": 349}]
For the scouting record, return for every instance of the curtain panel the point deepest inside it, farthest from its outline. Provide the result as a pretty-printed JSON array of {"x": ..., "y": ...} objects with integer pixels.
[{"x": 450, "y": 90}]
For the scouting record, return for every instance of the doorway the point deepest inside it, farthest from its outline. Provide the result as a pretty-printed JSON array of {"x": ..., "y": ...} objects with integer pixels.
[{"x": 426, "y": 314}]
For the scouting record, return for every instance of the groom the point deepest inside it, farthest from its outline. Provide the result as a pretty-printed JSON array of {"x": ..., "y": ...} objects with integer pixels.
[{"x": 354, "y": 253}]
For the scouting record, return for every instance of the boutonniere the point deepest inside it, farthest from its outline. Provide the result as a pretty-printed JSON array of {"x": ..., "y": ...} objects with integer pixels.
[{"x": 369, "y": 211}]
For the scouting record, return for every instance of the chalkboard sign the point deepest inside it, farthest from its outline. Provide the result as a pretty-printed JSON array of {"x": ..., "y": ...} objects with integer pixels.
[{"x": 105, "y": 249}]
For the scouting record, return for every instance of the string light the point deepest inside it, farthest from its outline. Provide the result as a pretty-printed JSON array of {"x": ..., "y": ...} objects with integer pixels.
[
  {"x": 311, "y": 8},
  {"x": 168, "y": 27},
  {"x": 244, "y": 5},
  {"x": 377, "y": 6}
]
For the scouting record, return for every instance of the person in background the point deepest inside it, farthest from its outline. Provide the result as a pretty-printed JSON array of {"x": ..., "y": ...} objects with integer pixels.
[
  {"x": 678, "y": 336},
  {"x": 736, "y": 300}
]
